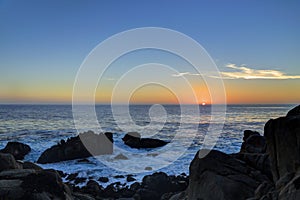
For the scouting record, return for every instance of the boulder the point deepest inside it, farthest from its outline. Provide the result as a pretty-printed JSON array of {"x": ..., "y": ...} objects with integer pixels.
[
  {"x": 74, "y": 148},
  {"x": 17, "y": 149},
  {"x": 7, "y": 161},
  {"x": 17, "y": 183},
  {"x": 253, "y": 142},
  {"x": 283, "y": 143},
  {"x": 160, "y": 183},
  {"x": 219, "y": 176},
  {"x": 134, "y": 140}
]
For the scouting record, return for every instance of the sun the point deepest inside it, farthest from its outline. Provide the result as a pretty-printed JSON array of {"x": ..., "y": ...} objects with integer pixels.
[{"x": 203, "y": 104}]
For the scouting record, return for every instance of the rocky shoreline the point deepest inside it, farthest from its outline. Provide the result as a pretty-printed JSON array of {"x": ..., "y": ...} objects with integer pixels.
[{"x": 266, "y": 168}]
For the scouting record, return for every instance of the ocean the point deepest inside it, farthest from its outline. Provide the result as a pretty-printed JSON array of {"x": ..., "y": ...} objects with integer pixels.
[{"x": 42, "y": 126}]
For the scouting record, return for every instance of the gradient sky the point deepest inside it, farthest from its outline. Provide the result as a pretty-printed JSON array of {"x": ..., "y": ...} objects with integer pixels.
[{"x": 254, "y": 43}]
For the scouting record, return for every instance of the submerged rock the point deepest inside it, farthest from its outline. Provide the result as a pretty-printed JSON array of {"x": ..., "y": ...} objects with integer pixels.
[
  {"x": 74, "y": 148},
  {"x": 17, "y": 149},
  {"x": 134, "y": 140}
]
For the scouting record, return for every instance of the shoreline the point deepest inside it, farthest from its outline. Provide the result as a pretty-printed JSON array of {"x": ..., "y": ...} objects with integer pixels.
[{"x": 258, "y": 171}]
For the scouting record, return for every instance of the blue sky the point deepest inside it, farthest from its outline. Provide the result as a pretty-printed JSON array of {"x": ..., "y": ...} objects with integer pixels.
[{"x": 44, "y": 42}]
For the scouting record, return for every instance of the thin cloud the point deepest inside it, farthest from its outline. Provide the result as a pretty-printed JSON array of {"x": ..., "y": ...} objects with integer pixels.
[
  {"x": 243, "y": 72},
  {"x": 185, "y": 74}
]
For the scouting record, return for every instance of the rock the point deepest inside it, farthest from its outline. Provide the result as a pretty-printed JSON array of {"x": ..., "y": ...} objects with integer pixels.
[
  {"x": 79, "y": 180},
  {"x": 72, "y": 177},
  {"x": 119, "y": 176},
  {"x": 32, "y": 184},
  {"x": 47, "y": 181},
  {"x": 253, "y": 143},
  {"x": 134, "y": 140},
  {"x": 146, "y": 194},
  {"x": 130, "y": 179},
  {"x": 148, "y": 168},
  {"x": 135, "y": 186},
  {"x": 7, "y": 161},
  {"x": 80, "y": 196},
  {"x": 248, "y": 133},
  {"x": 103, "y": 179},
  {"x": 17, "y": 149},
  {"x": 258, "y": 161},
  {"x": 294, "y": 112},
  {"x": 30, "y": 165},
  {"x": 120, "y": 157},
  {"x": 74, "y": 148},
  {"x": 221, "y": 176},
  {"x": 283, "y": 146},
  {"x": 161, "y": 183},
  {"x": 283, "y": 143},
  {"x": 131, "y": 135},
  {"x": 15, "y": 174},
  {"x": 11, "y": 189}
]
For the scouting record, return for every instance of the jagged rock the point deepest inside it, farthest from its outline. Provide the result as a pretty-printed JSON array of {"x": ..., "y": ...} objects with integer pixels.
[
  {"x": 134, "y": 140},
  {"x": 220, "y": 176},
  {"x": 253, "y": 142},
  {"x": 74, "y": 148},
  {"x": 283, "y": 143},
  {"x": 258, "y": 161},
  {"x": 17, "y": 183},
  {"x": 17, "y": 149}
]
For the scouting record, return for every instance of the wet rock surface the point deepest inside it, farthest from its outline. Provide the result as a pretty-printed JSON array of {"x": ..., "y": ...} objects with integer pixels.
[
  {"x": 17, "y": 149},
  {"x": 266, "y": 168},
  {"x": 134, "y": 140},
  {"x": 75, "y": 147}
]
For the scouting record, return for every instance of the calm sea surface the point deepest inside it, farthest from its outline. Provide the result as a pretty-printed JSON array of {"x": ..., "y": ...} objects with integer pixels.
[{"x": 42, "y": 126}]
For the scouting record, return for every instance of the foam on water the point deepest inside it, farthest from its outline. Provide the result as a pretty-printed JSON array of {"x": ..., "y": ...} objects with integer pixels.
[{"x": 42, "y": 126}]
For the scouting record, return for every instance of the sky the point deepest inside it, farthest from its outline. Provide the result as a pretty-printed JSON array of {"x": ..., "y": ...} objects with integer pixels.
[{"x": 254, "y": 43}]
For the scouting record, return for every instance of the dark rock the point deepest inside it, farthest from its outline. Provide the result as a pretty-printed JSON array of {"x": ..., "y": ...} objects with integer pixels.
[
  {"x": 146, "y": 194},
  {"x": 294, "y": 112},
  {"x": 92, "y": 188},
  {"x": 130, "y": 179},
  {"x": 220, "y": 176},
  {"x": 72, "y": 177},
  {"x": 46, "y": 181},
  {"x": 134, "y": 140},
  {"x": 253, "y": 143},
  {"x": 119, "y": 176},
  {"x": 161, "y": 183},
  {"x": 248, "y": 133},
  {"x": 30, "y": 165},
  {"x": 131, "y": 135},
  {"x": 79, "y": 180},
  {"x": 17, "y": 149},
  {"x": 258, "y": 161},
  {"x": 84, "y": 160},
  {"x": 135, "y": 186},
  {"x": 109, "y": 135},
  {"x": 74, "y": 148},
  {"x": 7, "y": 161},
  {"x": 283, "y": 144},
  {"x": 103, "y": 179}
]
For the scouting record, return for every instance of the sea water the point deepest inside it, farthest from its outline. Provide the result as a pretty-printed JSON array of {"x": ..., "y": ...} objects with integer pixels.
[{"x": 42, "y": 126}]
